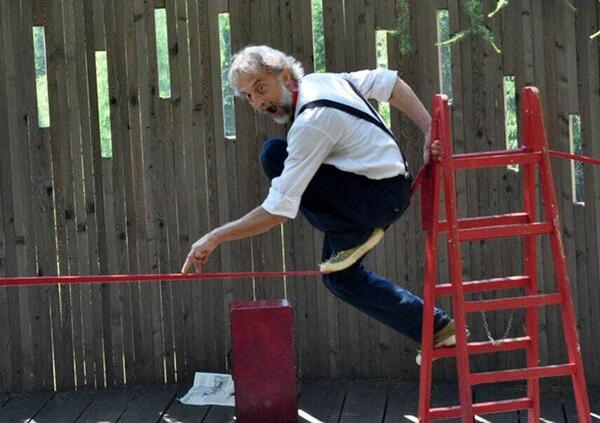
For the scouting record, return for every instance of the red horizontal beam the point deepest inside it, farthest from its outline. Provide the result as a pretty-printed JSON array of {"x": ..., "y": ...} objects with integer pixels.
[
  {"x": 486, "y": 347},
  {"x": 513, "y": 302},
  {"x": 494, "y": 159},
  {"x": 86, "y": 279},
  {"x": 555, "y": 370},
  {"x": 478, "y": 222},
  {"x": 576, "y": 157},
  {"x": 504, "y": 231},
  {"x": 494, "y": 284},
  {"x": 491, "y": 407}
]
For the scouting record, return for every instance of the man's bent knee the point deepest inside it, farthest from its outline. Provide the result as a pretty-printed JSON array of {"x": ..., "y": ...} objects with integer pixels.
[{"x": 272, "y": 156}]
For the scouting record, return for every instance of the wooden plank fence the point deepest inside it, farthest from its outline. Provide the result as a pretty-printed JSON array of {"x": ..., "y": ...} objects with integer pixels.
[{"x": 173, "y": 175}]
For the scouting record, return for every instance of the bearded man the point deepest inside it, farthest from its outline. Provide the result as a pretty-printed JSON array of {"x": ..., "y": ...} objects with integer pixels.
[{"x": 342, "y": 168}]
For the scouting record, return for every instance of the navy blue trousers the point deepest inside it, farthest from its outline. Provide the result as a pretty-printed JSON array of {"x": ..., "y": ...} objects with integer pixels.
[{"x": 347, "y": 207}]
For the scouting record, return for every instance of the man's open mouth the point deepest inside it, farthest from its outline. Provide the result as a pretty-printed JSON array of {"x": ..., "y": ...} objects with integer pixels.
[{"x": 271, "y": 109}]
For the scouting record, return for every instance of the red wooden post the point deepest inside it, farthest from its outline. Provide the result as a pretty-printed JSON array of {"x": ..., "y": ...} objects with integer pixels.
[{"x": 264, "y": 362}]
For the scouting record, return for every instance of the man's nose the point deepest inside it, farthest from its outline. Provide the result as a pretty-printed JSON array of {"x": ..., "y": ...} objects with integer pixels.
[{"x": 256, "y": 101}]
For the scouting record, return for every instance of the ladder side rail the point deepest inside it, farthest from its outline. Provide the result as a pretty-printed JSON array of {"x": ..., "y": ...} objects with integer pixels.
[
  {"x": 430, "y": 210},
  {"x": 455, "y": 264},
  {"x": 534, "y": 114},
  {"x": 530, "y": 264}
]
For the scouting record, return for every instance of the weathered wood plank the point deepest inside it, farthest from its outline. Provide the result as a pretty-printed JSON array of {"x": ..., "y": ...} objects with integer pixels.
[
  {"x": 127, "y": 57},
  {"x": 16, "y": 166},
  {"x": 498, "y": 392},
  {"x": 75, "y": 203},
  {"x": 204, "y": 98},
  {"x": 66, "y": 406},
  {"x": 6, "y": 238},
  {"x": 169, "y": 238},
  {"x": 365, "y": 401},
  {"x": 108, "y": 405},
  {"x": 195, "y": 161},
  {"x": 323, "y": 399},
  {"x": 149, "y": 403},
  {"x": 177, "y": 22},
  {"x": 218, "y": 414},
  {"x": 223, "y": 162},
  {"x": 146, "y": 330},
  {"x": 23, "y": 407},
  {"x": 40, "y": 217},
  {"x": 4, "y": 398},
  {"x": 182, "y": 412},
  {"x": 402, "y": 402},
  {"x": 118, "y": 231},
  {"x": 59, "y": 130},
  {"x": 5, "y": 355}
]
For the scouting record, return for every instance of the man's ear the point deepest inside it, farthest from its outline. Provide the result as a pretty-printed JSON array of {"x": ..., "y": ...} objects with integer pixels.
[{"x": 286, "y": 78}]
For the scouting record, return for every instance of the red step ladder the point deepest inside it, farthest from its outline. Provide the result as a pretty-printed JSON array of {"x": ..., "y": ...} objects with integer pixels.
[{"x": 533, "y": 155}]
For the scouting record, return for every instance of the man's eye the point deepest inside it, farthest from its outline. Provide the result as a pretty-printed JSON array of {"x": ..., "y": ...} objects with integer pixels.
[{"x": 260, "y": 88}]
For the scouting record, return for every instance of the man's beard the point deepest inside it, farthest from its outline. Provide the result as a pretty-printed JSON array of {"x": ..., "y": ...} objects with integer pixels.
[{"x": 285, "y": 102}]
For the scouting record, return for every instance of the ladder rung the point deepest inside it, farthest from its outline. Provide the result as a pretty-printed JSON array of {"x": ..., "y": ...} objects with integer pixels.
[
  {"x": 484, "y": 347},
  {"x": 504, "y": 231},
  {"x": 554, "y": 370},
  {"x": 440, "y": 413},
  {"x": 513, "y": 302},
  {"x": 483, "y": 285},
  {"x": 494, "y": 159},
  {"x": 478, "y": 222}
]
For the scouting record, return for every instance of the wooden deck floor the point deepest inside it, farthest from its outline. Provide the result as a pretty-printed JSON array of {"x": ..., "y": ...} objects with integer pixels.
[{"x": 346, "y": 401}]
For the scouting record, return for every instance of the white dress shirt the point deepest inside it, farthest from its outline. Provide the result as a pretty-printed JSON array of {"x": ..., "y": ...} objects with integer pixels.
[{"x": 327, "y": 135}]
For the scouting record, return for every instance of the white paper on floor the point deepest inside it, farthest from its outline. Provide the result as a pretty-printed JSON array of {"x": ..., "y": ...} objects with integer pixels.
[{"x": 210, "y": 389}]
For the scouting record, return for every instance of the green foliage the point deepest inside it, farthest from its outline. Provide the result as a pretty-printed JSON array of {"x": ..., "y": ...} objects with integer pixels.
[
  {"x": 162, "y": 53},
  {"x": 499, "y": 6},
  {"x": 318, "y": 35},
  {"x": 41, "y": 77},
  {"x": 227, "y": 91},
  {"x": 577, "y": 148},
  {"x": 403, "y": 26},
  {"x": 382, "y": 62},
  {"x": 445, "y": 56},
  {"x": 474, "y": 11},
  {"x": 103, "y": 104},
  {"x": 510, "y": 112}
]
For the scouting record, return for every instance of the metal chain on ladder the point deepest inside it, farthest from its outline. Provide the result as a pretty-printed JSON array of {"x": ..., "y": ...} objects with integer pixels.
[{"x": 488, "y": 331}]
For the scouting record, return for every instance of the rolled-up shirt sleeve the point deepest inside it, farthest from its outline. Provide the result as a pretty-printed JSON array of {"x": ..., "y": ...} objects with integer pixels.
[
  {"x": 377, "y": 84},
  {"x": 308, "y": 146}
]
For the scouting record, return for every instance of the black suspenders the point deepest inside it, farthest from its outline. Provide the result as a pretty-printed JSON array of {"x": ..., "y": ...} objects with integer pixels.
[{"x": 375, "y": 119}]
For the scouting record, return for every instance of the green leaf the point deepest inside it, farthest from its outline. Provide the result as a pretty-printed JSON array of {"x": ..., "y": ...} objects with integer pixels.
[
  {"x": 499, "y": 6},
  {"x": 570, "y": 5}
]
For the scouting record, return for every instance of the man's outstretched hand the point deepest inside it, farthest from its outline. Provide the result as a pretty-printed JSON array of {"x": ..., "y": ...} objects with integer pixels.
[{"x": 199, "y": 253}]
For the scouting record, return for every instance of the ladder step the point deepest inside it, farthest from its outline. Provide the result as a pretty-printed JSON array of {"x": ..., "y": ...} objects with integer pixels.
[
  {"x": 522, "y": 374},
  {"x": 494, "y": 159},
  {"x": 485, "y": 347},
  {"x": 504, "y": 231},
  {"x": 504, "y": 406},
  {"x": 483, "y": 285},
  {"x": 513, "y": 302},
  {"x": 483, "y": 221}
]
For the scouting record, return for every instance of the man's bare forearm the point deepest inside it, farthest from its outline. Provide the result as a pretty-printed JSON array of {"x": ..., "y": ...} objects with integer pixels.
[
  {"x": 404, "y": 99},
  {"x": 253, "y": 223}
]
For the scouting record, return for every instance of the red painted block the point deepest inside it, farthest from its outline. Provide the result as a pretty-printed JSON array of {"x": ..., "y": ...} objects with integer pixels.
[{"x": 264, "y": 362}]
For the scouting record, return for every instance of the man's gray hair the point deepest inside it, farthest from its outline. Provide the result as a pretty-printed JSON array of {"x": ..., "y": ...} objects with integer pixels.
[{"x": 255, "y": 59}]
